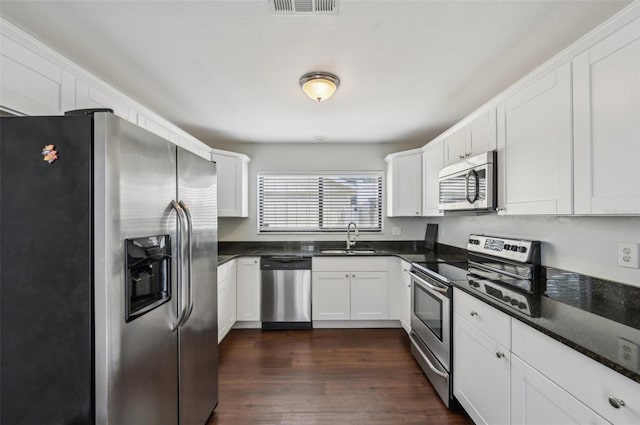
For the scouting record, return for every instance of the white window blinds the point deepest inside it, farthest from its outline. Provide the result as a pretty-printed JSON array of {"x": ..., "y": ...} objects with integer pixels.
[{"x": 319, "y": 203}]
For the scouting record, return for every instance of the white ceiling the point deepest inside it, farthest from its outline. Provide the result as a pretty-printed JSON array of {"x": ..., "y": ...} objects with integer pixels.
[{"x": 228, "y": 70}]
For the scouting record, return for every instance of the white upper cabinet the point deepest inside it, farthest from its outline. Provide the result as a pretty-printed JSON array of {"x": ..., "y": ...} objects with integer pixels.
[
  {"x": 30, "y": 84},
  {"x": 535, "y": 147},
  {"x": 474, "y": 138},
  {"x": 456, "y": 146},
  {"x": 233, "y": 183},
  {"x": 482, "y": 133},
  {"x": 606, "y": 81},
  {"x": 404, "y": 184},
  {"x": 432, "y": 163}
]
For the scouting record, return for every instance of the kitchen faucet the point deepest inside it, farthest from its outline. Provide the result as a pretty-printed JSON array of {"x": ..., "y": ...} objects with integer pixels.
[{"x": 350, "y": 242}]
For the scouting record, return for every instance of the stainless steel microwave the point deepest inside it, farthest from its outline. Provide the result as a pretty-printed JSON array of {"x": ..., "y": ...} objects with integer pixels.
[{"x": 469, "y": 184}]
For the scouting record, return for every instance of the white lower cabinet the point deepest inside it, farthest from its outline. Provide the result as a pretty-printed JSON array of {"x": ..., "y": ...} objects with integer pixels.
[
  {"x": 248, "y": 289},
  {"x": 405, "y": 296},
  {"x": 481, "y": 374},
  {"x": 481, "y": 364},
  {"x": 226, "y": 298},
  {"x": 594, "y": 386},
  {"x": 331, "y": 296},
  {"x": 536, "y": 400},
  {"x": 350, "y": 288},
  {"x": 222, "y": 301},
  {"x": 369, "y": 296}
]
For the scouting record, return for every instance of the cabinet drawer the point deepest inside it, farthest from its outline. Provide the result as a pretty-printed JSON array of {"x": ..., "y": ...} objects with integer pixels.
[
  {"x": 492, "y": 322},
  {"x": 359, "y": 264},
  {"x": 584, "y": 378}
]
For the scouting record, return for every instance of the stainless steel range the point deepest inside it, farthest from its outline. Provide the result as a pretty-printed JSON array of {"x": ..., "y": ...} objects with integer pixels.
[
  {"x": 507, "y": 270},
  {"x": 431, "y": 296}
]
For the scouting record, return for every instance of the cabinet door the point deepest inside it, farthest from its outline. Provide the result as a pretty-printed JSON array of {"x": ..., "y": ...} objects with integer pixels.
[
  {"x": 31, "y": 84},
  {"x": 405, "y": 296},
  {"x": 231, "y": 295},
  {"x": 331, "y": 296},
  {"x": 535, "y": 147},
  {"x": 233, "y": 185},
  {"x": 481, "y": 379},
  {"x": 404, "y": 185},
  {"x": 432, "y": 163},
  {"x": 248, "y": 289},
  {"x": 369, "y": 296},
  {"x": 222, "y": 309},
  {"x": 536, "y": 400},
  {"x": 606, "y": 82},
  {"x": 455, "y": 146},
  {"x": 482, "y": 133}
]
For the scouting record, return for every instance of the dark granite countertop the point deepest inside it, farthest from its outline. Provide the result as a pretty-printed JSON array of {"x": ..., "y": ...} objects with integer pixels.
[
  {"x": 411, "y": 251},
  {"x": 583, "y": 312}
]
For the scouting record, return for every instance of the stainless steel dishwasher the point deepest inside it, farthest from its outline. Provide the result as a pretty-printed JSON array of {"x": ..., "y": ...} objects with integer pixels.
[{"x": 286, "y": 292}]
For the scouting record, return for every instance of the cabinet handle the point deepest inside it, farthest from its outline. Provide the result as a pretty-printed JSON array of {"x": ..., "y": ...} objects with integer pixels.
[
  {"x": 473, "y": 313},
  {"x": 405, "y": 270},
  {"x": 346, "y": 275},
  {"x": 461, "y": 156},
  {"x": 616, "y": 402},
  {"x": 353, "y": 275},
  {"x": 408, "y": 286},
  {"x": 501, "y": 355},
  {"x": 467, "y": 155}
]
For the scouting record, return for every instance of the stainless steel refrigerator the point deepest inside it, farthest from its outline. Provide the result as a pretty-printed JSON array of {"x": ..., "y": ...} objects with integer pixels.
[{"x": 108, "y": 263}]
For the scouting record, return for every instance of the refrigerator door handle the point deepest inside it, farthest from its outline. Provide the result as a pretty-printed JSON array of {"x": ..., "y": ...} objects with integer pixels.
[
  {"x": 187, "y": 214},
  {"x": 181, "y": 308}
]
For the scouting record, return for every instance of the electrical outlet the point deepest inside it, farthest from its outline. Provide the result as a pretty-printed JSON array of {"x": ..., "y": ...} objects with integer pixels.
[
  {"x": 628, "y": 255},
  {"x": 396, "y": 231},
  {"x": 628, "y": 353}
]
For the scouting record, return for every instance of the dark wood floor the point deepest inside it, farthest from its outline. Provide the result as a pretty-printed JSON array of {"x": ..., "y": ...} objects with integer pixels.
[{"x": 324, "y": 376}]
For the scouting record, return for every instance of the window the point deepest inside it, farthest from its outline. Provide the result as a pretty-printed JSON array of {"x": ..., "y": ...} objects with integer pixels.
[{"x": 319, "y": 203}]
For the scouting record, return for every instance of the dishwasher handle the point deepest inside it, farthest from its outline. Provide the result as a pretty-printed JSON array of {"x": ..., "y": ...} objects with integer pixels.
[{"x": 285, "y": 263}]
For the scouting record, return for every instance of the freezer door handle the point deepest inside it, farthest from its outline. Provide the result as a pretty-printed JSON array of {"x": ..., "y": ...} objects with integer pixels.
[
  {"x": 182, "y": 309},
  {"x": 187, "y": 214}
]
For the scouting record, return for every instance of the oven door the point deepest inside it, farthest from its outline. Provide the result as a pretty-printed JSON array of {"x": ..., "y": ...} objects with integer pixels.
[{"x": 431, "y": 316}]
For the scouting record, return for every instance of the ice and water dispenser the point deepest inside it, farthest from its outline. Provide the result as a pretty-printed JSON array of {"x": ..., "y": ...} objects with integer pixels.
[{"x": 148, "y": 280}]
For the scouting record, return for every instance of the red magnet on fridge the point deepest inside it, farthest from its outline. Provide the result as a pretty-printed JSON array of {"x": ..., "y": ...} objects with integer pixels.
[{"x": 50, "y": 154}]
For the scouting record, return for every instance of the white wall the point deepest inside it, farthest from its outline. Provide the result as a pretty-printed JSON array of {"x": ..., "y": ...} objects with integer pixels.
[
  {"x": 588, "y": 245},
  {"x": 314, "y": 157}
]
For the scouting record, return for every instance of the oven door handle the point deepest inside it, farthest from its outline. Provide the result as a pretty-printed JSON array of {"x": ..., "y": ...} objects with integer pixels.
[
  {"x": 423, "y": 282},
  {"x": 428, "y": 362}
]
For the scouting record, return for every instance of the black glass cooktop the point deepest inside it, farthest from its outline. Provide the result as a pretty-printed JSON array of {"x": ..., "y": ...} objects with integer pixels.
[{"x": 446, "y": 272}]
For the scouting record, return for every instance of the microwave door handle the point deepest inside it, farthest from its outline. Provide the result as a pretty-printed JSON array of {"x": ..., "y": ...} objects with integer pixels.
[
  {"x": 476, "y": 188},
  {"x": 181, "y": 309},
  {"x": 187, "y": 214}
]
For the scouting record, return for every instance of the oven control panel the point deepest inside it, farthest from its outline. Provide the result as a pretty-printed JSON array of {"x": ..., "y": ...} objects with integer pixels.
[
  {"x": 511, "y": 249},
  {"x": 515, "y": 300}
]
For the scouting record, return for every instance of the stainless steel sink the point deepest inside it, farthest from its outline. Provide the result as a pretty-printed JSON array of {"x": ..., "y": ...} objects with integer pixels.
[{"x": 347, "y": 251}]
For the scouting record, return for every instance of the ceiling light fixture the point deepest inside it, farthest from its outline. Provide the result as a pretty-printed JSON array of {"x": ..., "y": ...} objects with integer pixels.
[{"x": 319, "y": 85}]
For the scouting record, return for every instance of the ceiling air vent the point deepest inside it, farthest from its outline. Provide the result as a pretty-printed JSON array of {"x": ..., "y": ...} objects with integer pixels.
[{"x": 304, "y": 7}]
